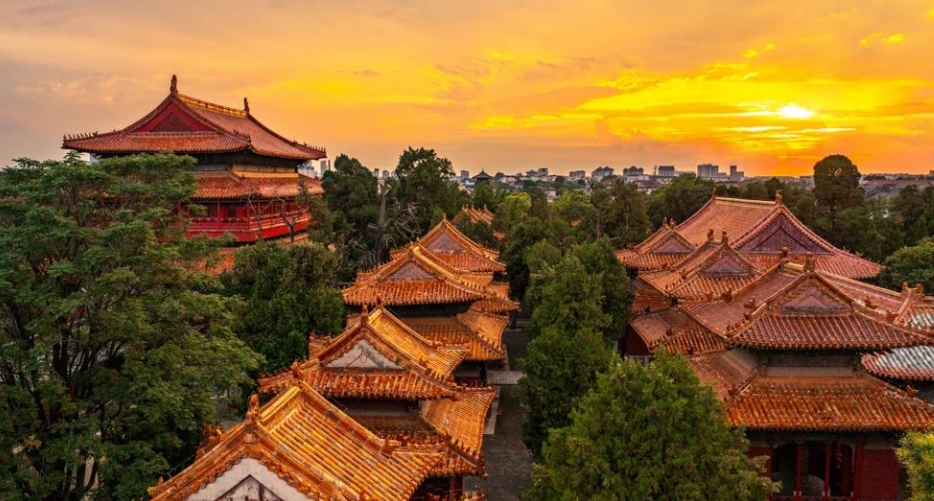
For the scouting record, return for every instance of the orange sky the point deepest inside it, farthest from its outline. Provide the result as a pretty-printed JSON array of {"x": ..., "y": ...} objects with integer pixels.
[{"x": 506, "y": 85}]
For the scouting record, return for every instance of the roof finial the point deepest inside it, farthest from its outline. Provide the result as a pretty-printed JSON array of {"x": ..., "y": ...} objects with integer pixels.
[
  {"x": 173, "y": 85},
  {"x": 365, "y": 316},
  {"x": 809, "y": 264},
  {"x": 723, "y": 239},
  {"x": 778, "y": 196},
  {"x": 246, "y": 105},
  {"x": 713, "y": 193}
]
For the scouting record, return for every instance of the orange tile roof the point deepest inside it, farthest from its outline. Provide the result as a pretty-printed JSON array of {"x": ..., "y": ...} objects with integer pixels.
[
  {"x": 230, "y": 185},
  {"x": 726, "y": 371},
  {"x": 761, "y": 231},
  {"x": 418, "y": 277},
  {"x": 454, "y": 248},
  {"x": 314, "y": 447},
  {"x": 378, "y": 356},
  {"x": 915, "y": 363},
  {"x": 646, "y": 298},
  {"x": 475, "y": 215},
  {"x": 462, "y": 419},
  {"x": 678, "y": 332},
  {"x": 856, "y": 402},
  {"x": 481, "y": 332},
  {"x": 183, "y": 124},
  {"x": 712, "y": 268}
]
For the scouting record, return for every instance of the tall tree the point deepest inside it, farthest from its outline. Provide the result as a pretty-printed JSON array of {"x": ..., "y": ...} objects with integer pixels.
[
  {"x": 916, "y": 451},
  {"x": 600, "y": 261},
  {"x": 648, "y": 432},
  {"x": 681, "y": 198},
  {"x": 287, "y": 297},
  {"x": 352, "y": 197},
  {"x": 621, "y": 212},
  {"x": 911, "y": 265},
  {"x": 112, "y": 351},
  {"x": 836, "y": 187},
  {"x": 424, "y": 182}
]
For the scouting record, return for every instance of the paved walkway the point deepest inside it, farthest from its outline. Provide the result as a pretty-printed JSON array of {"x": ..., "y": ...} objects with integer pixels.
[{"x": 508, "y": 462}]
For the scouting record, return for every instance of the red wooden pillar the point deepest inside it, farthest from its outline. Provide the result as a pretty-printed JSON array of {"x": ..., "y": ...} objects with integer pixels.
[
  {"x": 797, "y": 470},
  {"x": 858, "y": 470},
  {"x": 827, "y": 471}
]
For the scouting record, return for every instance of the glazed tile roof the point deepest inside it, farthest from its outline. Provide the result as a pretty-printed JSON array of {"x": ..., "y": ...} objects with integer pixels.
[
  {"x": 376, "y": 357},
  {"x": 314, "y": 447},
  {"x": 481, "y": 332},
  {"x": 761, "y": 231},
  {"x": 474, "y": 215},
  {"x": 183, "y": 124},
  {"x": 454, "y": 248},
  {"x": 854, "y": 402},
  {"x": 645, "y": 298},
  {"x": 915, "y": 363},
  {"x": 456, "y": 423},
  {"x": 230, "y": 185},
  {"x": 678, "y": 332},
  {"x": 852, "y": 331},
  {"x": 418, "y": 277},
  {"x": 712, "y": 268},
  {"x": 726, "y": 371}
]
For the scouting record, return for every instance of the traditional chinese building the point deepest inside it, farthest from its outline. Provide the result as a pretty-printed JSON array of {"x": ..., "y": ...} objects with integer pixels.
[
  {"x": 248, "y": 179},
  {"x": 822, "y": 371},
  {"x": 444, "y": 303},
  {"x": 786, "y": 353},
  {"x": 763, "y": 232},
  {"x": 297, "y": 447},
  {"x": 399, "y": 385}
]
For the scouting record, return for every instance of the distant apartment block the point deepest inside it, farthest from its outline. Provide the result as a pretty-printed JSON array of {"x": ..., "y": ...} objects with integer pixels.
[
  {"x": 576, "y": 175},
  {"x": 665, "y": 171},
  {"x": 600, "y": 173}
]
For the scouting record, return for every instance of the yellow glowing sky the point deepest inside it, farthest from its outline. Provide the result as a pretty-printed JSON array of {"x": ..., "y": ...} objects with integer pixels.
[{"x": 506, "y": 85}]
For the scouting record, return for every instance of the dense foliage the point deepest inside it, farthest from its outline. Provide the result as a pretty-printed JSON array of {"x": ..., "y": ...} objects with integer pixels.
[
  {"x": 112, "y": 349},
  {"x": 286, "y": 297},
  {"x": 648, "y": 432},
  {"x": 916, "y": 452}
]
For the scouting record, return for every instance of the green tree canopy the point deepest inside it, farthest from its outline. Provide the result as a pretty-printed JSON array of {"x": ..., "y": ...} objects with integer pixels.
[
  {"x": 836, "y": 187},
  {"x": 287, "y": 297},
  {"x": 648, "y": 432},
  {"x": 912, "y": 265},
  {"x": 352, "y": 197},
  {"x": 621, "y": 212},
  {"x": 112, "y": 351},
  {"x": 916, "y": 451},
  {"x": 424, "y": 186},
  {"x": 681, "y": 198}
]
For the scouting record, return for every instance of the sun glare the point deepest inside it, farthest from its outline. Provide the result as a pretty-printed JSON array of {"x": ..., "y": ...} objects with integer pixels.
[{"x": 795, "y": 111}]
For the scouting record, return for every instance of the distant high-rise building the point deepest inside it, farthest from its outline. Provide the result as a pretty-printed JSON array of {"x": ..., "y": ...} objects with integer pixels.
[
  {"x": 325, "y": 166},
  {"x": 708, "y": 171},
  {"x": 736, "y": 175},
  {"x": 665, "y": 171},
  {"x": 633, "y": 171},
  {"x": 376, "y": 173},
  {"x": 386, "y": 174},
  {"x": 601, "y": 173},
  {"x": 465, "y": 174}
]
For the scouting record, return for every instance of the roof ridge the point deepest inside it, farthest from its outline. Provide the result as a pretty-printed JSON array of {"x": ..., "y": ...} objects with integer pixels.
[{"x": 207, "y": 105}]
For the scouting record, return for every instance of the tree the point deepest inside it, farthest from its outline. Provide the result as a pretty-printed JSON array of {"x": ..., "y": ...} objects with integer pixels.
[
  {"x": 836, "y": 187},
  {"x": 648, "y": 432},
  {"x": 621, "y": 212},
  {"x": 287, "y": 297},
  {"x": 113, "y": 349},
  {"x": 599, "y": 260},
  {"x": 911, "y": 265},
  {"x": 570, "y": 301},
  {"x": 559, "y": 368},
  {"x": 423, "y": 180},
  {"x": 916, "y": 451},
  {"x": 352, "y": 197},
  {"x": 484, "y": 196},
  {"x": 681, "y": 198}
]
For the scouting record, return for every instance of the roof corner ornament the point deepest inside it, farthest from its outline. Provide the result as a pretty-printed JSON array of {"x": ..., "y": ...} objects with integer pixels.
[
  {"x": 809, "y": 264},
  {"x": 784, "y": 253},
  {"x": 778, "y": 197},
  {"x": 246, "y": 106},
  {"x": 710, "y": 234},
  {"x": 723, "y": 238},
  {"x": 173, "y": 85},
  {"x": 713, "y": 193},
  {"x": 296, "y": 370},
  {"x": 365, "y": 316}
]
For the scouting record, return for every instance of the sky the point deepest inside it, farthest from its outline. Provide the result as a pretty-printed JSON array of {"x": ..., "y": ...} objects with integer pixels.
[{"x": 506, "y": 85}]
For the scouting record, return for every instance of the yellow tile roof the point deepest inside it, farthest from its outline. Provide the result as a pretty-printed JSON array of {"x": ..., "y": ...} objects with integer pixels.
[{"x": 314, "y": 447}]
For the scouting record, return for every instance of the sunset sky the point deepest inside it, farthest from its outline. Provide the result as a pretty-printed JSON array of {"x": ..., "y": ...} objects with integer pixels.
[{"x": 507, "y": 85}]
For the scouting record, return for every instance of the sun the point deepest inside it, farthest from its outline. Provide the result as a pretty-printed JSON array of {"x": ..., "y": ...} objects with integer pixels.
[{"x": 795, "y": 111}]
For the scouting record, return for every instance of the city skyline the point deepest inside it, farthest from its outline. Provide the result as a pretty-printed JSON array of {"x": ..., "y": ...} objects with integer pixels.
[{"x": 500, "y": 86}]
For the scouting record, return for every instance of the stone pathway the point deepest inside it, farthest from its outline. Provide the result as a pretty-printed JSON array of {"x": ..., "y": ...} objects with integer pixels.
[{"x": 507, "y": 460}]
